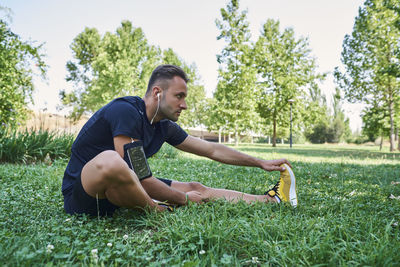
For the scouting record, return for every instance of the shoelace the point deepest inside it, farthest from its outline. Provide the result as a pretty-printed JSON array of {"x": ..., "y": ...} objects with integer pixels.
[{"x": 275, "y": 188}]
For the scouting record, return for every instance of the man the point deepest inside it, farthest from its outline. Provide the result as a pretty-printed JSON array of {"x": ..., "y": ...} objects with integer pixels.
[{"x": 98, "y": 178}]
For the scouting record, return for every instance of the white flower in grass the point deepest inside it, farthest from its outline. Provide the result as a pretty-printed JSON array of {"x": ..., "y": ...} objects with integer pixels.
[
  {"x": 201, "y": 252},
  {"x": 125, "y": 237},
  {"x": 254, "y": 260},
  {"x": 49, "y": 248},
  {"x": 109, "y": 245},
  {"x": 67, "y": 220},
  {"x": 352, "y": 193},
  {"x": 94, "y": 255}
]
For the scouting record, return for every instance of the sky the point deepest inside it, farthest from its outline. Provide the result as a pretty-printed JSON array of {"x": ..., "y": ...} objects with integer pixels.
[{"x": 186, "y": 26}]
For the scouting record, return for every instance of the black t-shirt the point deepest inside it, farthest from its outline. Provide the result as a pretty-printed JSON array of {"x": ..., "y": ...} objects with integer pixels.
[{"x": 122, "y": 116}]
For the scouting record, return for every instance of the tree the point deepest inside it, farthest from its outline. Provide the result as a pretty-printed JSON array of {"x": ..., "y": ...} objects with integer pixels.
[
  {"x": 340, "y": 125},
  {"x": 109, "y": 66},
  {"x": 285, "y": 68},
  {"x": 369, "y": 56},
  {"x": 20, "y": 61},
  {"x": 375, "y": 121},
  {"x": 235, "y": 95},
  {"x": 119, "y": 64}
]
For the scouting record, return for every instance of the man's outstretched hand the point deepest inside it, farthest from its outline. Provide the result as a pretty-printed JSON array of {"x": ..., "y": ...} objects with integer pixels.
[{"x": 274, "y": 165}]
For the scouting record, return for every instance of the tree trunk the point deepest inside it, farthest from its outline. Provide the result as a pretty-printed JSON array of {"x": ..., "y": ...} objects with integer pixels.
[
  {"x": 392, "y": 142},
  {"x": 398, "y": 144},
  {"x": 380, "y": 147},
  {"x": 274, "y": 134},
  {"x": 236, "y": 138},
  {"x": 219, "y": 136}
]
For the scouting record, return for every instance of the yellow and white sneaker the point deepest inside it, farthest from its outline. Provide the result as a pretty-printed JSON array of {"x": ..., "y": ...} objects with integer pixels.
[{"x": 285, "y": 188}]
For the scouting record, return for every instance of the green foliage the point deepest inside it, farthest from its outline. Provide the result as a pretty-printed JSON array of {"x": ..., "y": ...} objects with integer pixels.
[
  {"x": 33, "y": 146},
  {"x": 196, "y": 99},
  {"x": 334, "y": 131},
  {"x": 344, "y": 216},
  {"x": 119, "y": 64},
  {"x": 368, "y": 55},
  {"x": 106, "y": 67},
  {"x": 375, "y": 122},
  {"x": 324, "y": 127},
  {"x": 235, "y": 98},
  {"x": 18, "y": 62},
  {"x": 166, "y": 152},
  {"x": 286, "y": 71}
]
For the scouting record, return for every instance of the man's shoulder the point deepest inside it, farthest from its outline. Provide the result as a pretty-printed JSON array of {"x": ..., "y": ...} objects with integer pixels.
[
  {"x": 133, "y": 100},
  {"x": 127, "y": 102}
]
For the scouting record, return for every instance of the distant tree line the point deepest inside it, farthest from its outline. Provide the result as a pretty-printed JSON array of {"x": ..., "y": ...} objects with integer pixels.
[{"x": 256, "y": 79}]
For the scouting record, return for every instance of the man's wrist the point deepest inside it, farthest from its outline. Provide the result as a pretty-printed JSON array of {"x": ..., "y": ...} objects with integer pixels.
[
  {"x": 183, "y": 199},
  {"x": 260, "y": 163}
]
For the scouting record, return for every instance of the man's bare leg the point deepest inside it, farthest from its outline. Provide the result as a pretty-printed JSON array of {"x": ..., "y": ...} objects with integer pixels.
[
  {"x": 216, "y": 193},
  {"x": 108, "y": 176}
]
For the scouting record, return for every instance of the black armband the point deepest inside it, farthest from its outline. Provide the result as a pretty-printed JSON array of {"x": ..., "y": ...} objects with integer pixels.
[{"x": 137, "y": 159}]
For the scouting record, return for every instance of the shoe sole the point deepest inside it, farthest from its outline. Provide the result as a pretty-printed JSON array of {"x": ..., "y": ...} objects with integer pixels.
[{"x": 292, "y": 190}]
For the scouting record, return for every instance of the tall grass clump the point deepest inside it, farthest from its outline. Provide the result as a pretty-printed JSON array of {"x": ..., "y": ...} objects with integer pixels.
[{"x": 33, "y": 145}]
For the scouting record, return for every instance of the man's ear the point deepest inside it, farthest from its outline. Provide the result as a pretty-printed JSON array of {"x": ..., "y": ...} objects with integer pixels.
[{"x": 157, "y": 91}]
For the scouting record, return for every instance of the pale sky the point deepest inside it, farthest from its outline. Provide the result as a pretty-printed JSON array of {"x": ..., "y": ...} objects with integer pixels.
[{"x": 188, "y": 27}]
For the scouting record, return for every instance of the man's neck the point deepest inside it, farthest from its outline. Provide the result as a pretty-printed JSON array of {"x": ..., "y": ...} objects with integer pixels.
[{"x": 151, "y": 108}]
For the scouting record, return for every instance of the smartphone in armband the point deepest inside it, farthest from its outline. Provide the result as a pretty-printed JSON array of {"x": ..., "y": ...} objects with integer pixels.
[{"x": 138, "y": 159}]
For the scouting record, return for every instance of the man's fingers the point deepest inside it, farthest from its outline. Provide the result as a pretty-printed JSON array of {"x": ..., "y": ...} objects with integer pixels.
[
  {"x": 277, "y": 168},
  {"x": 282, "y": 161}
]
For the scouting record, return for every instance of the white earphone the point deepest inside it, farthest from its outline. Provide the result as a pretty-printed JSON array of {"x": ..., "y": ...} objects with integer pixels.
[{"x": 158, "y": 106}]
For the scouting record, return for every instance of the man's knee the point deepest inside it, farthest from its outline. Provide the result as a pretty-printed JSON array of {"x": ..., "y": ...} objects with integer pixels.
[
  {"x": 196, "y": 186},
  {"x": 111, "y": 167}
]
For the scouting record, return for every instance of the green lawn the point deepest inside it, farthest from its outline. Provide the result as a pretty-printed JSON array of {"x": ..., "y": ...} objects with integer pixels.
[{"x": 344, "y": 215}]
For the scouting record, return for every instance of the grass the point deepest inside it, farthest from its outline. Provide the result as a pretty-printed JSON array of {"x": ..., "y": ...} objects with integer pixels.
[
  {"x": 344, "y": 215},
  {"x": 29, "y": 146}
]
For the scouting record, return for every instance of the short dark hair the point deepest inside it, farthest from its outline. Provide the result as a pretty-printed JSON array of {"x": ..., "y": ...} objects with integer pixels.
[{"x": 163, "y": 74}]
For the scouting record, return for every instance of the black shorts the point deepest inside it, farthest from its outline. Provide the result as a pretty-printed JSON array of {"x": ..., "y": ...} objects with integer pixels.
[{"x": 77, "y": 201}]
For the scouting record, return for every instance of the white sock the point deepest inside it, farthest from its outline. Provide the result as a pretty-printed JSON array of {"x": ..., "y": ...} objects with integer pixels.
[{"x": 277, "y": 199}]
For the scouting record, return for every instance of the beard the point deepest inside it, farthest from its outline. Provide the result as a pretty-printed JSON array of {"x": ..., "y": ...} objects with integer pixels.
[{"x": 169, "y": 113}]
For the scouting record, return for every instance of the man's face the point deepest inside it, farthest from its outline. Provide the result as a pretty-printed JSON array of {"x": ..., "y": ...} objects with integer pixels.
[{"x": 172, "y": 101}]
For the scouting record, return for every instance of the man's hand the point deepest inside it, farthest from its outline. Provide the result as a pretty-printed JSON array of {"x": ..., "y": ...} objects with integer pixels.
[
  {"x": 195, "y": 196},
  {"x": 274, "y": 165}
]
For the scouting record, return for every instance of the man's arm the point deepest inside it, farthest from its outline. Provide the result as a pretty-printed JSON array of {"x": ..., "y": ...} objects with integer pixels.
[
  {"x": 228, "y": 155},
  {"x": 154, "y": 187}
]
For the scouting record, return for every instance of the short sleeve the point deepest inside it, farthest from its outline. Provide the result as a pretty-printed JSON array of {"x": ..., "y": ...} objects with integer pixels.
[
  {"x": 123, "y": 119},
  {"x": 175, "y": 134}
]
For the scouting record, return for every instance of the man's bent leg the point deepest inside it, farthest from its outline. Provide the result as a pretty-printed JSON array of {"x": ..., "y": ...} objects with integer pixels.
[
  {"x": 215, "y": 193},
  {"x": 108, "y": 176}
]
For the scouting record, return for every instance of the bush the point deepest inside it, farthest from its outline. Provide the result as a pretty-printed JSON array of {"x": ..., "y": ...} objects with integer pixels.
[{"x": 32, "y": 146}]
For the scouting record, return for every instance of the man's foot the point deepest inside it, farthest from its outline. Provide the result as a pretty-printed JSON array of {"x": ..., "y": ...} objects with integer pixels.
[{"x": 285, "y": 189}]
